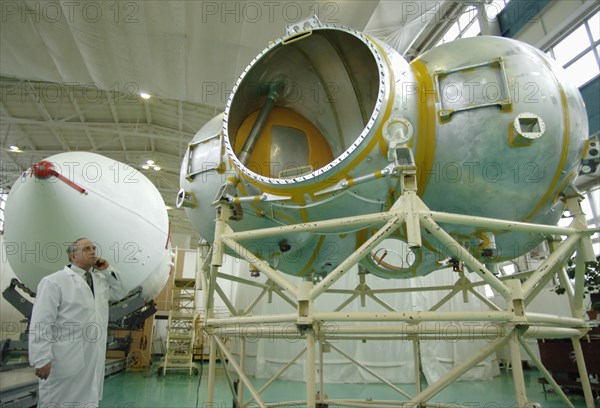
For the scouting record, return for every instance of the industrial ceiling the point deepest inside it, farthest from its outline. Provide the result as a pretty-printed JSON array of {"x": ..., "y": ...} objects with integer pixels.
[{"x": 71, "y": 72}]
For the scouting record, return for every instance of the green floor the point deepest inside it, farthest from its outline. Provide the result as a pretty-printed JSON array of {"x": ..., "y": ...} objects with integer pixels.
[{"x": 147, "y": 390}]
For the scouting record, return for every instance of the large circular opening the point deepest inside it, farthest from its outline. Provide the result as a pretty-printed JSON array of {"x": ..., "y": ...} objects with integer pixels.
[
  {"x": 393, "y": 255},
  {"x": 303, "y": 105}
]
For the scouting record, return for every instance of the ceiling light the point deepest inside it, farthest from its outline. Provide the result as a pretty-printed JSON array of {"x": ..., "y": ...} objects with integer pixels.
[
  {"x": 150, "y": 165},
  {"x": 15, "y": 149},
  {"x": 144, "y": 95}
]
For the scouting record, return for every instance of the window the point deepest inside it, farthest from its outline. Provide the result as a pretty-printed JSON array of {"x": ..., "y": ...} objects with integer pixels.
[
  {"x": 583, "y": 69},
  {"x": 472, "y": 31},
  {"x": 494, "y": 8},
  {"x": 591, "y": 208},
  {"x": 578, "y": 52},
  {"x": 508, "y": 268},
  {"x": 594, "y": 25},
  {"x": 452, "y": 34},
  {"x": 592, "y": 215},
  {"x": 572, "y": 45},
  {"x": 467, "y": 25}
]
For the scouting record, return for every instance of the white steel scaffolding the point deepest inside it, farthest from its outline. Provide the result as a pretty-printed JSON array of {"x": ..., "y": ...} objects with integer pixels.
[{"x": 513, "y": 325}]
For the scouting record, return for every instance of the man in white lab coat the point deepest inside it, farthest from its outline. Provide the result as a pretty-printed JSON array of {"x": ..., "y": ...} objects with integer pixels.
[{"x": 67, "y": 335}]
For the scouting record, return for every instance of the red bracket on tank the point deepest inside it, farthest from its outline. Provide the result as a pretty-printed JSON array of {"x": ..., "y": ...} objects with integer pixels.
[{"x": 45, "y": 169}]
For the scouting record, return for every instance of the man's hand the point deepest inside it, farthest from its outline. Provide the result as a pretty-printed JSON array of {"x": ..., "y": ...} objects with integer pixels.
[
  {"x": 101, "y": 264},
  {"x": 43, "y": 372}
]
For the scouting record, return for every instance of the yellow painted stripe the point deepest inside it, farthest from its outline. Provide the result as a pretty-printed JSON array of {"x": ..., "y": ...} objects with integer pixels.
[
  {"x": 361, "y": 237},
  {"x": 313, "y": 257},
  {"x": 297, "y": 193},
  {"x": 562, "y": 186},
  {"x": 242, "y": 189},
  {"x": 303, "y": 214},
  {"x": 280, "y": 216},
  {"x": 563, "y": 155},
  {"x": 586, "y": 147},
  {"x": 426, "y": 133}
]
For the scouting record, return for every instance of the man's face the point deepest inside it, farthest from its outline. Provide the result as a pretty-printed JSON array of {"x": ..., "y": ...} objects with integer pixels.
[{"x": 85, "y": 254}]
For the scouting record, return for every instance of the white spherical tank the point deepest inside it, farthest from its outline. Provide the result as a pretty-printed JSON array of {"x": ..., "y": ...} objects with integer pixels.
[
  {"x": 314, "y": 124},
  {"x": 80, "y": 194}
]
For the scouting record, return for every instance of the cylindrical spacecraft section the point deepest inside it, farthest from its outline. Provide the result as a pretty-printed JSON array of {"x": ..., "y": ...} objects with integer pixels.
[{"x": 79, "y": 194}]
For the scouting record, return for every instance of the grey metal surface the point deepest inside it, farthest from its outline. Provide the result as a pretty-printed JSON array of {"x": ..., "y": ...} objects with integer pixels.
[
  {"x": 460, "y": 102},
  {"x": 19, "y": 387}
]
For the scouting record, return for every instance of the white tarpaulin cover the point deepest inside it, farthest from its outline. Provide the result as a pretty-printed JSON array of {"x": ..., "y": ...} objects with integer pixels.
[
  {"x": 184, "y": 50},
  {"x": 391, "y": 359}
]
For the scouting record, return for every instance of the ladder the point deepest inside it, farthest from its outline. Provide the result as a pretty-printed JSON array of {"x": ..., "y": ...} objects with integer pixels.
[{"x": 180, "y": 327}]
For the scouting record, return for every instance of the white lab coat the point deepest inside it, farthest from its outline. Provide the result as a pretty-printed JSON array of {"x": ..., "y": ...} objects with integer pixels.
[{"x": 69, "y": 327}]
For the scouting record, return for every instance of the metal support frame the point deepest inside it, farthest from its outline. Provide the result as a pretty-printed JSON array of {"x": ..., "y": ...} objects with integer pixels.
[
  {"x": 416, "y": 326},
  {"x": 180, "y": 326}
]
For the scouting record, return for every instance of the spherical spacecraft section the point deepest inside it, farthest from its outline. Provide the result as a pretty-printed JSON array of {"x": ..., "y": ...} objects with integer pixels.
[
  {"x": 509, "y": 136},
  {"x": 203, "y": 173},
  {"x": 95, "y": 197}
]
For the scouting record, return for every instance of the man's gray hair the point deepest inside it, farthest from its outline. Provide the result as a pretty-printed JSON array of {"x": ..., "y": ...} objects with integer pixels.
[{"x": 73, "y": 247}]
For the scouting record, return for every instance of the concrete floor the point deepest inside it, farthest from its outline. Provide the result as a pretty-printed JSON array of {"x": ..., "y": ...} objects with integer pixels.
[{"x": 144, "y": 389}]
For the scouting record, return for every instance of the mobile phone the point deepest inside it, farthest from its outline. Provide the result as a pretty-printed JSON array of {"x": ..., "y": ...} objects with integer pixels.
[{"x": 98, "y": 263}]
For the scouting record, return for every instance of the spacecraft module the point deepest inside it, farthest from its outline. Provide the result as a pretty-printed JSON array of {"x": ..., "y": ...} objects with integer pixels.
[
  {"x": 317, "y": 123},
  {"x": 80, "y": 194}
]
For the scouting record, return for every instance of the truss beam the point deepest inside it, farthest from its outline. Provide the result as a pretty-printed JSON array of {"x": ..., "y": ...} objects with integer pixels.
[{"x": 513, "y": 324}]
